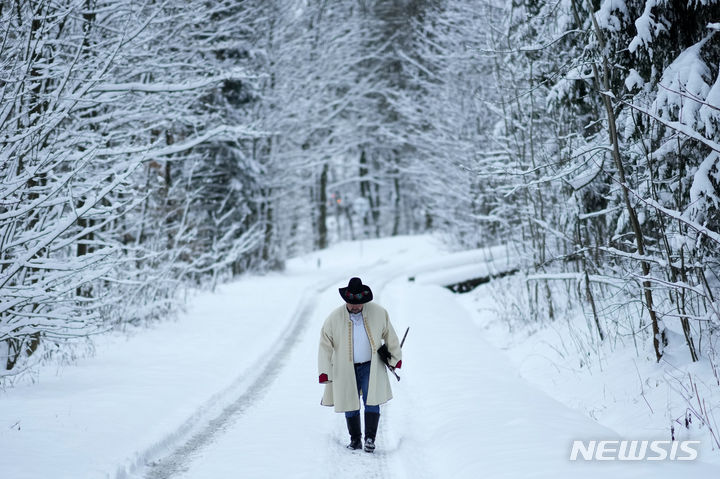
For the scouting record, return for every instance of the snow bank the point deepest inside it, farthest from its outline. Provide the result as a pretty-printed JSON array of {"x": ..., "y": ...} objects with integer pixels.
[{"x": 617, "y": 382}]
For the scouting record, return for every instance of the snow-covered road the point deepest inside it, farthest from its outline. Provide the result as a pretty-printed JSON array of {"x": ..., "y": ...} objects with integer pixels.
[
  {"x": 461, "y": 409},
  {"x": 250, "y": 407}
]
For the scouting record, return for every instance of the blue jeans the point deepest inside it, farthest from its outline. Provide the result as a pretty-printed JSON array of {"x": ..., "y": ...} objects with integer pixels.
[{"x": 362, "y": 377}]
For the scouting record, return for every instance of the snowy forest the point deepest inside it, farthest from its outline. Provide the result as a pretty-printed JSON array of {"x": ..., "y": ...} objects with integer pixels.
[{"x": 151, "y": 146}]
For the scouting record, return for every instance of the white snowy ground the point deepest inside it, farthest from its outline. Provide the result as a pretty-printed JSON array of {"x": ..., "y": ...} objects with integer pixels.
[{"x": 230, "y": 390}]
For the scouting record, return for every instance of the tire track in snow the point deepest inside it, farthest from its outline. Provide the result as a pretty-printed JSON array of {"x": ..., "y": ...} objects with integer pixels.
[{"x": 201, "y": 430}]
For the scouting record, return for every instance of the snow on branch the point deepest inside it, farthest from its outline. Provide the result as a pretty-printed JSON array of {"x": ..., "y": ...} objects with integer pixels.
[
  {"x": 231, "y": 132},
  {"x": 647, "y": 26},
  {"x": 64, "y": 224},
  {"x": 594, "y": 278},
  {"x": 703, "y": 230},
  {"x": 677, "y": 126},
  {"x": 171, "y": 87}
]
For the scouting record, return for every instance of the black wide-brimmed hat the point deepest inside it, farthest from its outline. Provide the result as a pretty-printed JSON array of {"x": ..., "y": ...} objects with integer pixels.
[{"x": 356, "y": 292}]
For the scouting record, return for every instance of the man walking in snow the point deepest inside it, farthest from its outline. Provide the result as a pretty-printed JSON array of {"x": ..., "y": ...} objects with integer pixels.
[{"x": 349, "y": 364}]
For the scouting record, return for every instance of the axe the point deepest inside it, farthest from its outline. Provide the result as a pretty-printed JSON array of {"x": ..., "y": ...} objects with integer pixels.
[{"x": 385, "y": 354}]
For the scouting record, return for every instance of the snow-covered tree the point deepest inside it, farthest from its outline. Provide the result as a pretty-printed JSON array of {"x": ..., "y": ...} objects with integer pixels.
[{"x": 102, "y": 116}]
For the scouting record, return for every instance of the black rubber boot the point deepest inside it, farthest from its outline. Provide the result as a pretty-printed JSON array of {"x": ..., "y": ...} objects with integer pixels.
[
  {"x": 353, "y": 425},
  {"x": 371, "y": 424}
]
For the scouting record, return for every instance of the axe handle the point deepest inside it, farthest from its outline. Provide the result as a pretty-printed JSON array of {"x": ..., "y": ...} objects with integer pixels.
[
  {"x": 404, "y": 336},
  {"x": 392, "y": 370}
]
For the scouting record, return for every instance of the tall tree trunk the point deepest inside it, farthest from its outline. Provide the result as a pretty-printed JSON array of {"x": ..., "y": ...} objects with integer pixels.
[
  {"x": 602, "y": 81},
  {"x": 364, "y": 188},
  {"x": 398, "y": 212},
  {"x": 322, "y": 232}
]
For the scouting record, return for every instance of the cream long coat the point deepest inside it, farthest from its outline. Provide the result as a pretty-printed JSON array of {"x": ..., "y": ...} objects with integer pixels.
[{"x": 335, "y": 357}]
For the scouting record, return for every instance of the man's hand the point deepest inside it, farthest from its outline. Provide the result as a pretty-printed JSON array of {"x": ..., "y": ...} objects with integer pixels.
[
  {"x": 384, "y": 354},
  {"x": 399, "y": 364},
  {"x": 323, "y": 378}
]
